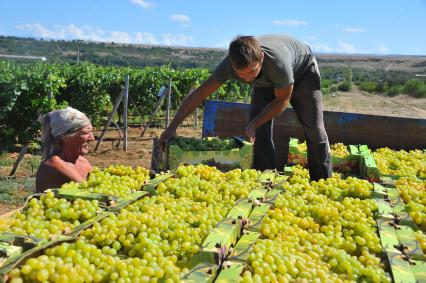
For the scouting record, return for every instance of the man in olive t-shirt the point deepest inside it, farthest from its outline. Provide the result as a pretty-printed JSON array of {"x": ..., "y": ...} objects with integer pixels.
[{"x": 281, "y": 70}]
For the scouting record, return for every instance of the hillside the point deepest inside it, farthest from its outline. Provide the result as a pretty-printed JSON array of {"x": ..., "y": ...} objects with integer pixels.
[{"x": 111, "y": 53}]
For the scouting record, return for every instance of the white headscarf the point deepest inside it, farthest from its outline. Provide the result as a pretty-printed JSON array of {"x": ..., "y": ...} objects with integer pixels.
[{"x": 58, "y": 123}]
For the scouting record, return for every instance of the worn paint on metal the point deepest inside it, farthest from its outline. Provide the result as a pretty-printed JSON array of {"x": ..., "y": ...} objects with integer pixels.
[
  {"x": 226, "y": 119},
  {"x": 211, "y": 108}
]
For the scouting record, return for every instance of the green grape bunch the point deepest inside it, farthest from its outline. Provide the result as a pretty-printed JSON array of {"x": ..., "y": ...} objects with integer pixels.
[
  {"x": 83, "y": 262},
  {"x": 48, "y": 217},
  {"x": 413, "y": 193},
  {"x": 337, "y": 149},
  {"x": 401, "y": 163},
  {"x": 204, "y": 144},
  {"x": 115, "y": 180},
  {"x": 319, "y": 232}
]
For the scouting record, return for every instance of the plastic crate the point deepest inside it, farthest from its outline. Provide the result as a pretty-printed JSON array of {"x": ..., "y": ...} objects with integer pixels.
[{"x": 239, "y": 157}]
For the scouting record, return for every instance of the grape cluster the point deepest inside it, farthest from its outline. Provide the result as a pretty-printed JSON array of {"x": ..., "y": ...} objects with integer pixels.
[
  {"x": 302, "y": 147},
  {"x": 83, "y": 262},
  {"x": 421, "y": 238},
  {"x": 205, "y": 183},
  {"x": 118, "y": 180},
  {"x": 314, "y": 233},
  {"x": 335, "y": 188},
  {"x": 173, "y": 224},
  {"x": 168, "y": 226},
  {"x": 413, "y": 193},
  {"x": 49, "y": 217},
  {"x": 204, "y": 144},
  {"x": 401, "y": 163},
  {"x": 337, "y": 149}
]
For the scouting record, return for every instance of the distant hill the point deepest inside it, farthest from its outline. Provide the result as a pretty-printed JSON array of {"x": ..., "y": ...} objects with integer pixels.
[
  {"x": 102, "y": 53},
  {"x": 132, "y": 55}
]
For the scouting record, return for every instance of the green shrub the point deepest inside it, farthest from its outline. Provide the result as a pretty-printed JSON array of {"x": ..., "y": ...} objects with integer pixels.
[
  {"x": 345, "y": 86},
  {"x": 395, "y": 90},
  {"x": 368, "y": 86},
  {"x": 333, "y": 88},
  {"x": 415, "y": 88},
  {"x": 382, "y": 86}
]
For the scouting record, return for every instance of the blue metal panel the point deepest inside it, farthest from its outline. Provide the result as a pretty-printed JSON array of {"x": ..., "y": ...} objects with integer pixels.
[
  {"x": 229, "y": 119},
  {"x": 347, "y": 118},
  {"x": 212, "y": 107}
]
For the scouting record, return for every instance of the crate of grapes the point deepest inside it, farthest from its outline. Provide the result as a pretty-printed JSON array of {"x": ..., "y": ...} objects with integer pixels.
[
  {"x": 368, "y": 168},
  {"x": 50, "y": 217},
  {"x": 395, "y": 164},
  {"x": 225, "y": 154},
  {"x": 10, "y": 268},
  {"x": 13, "y": 245},
  {"x": 345, "y": 158}
]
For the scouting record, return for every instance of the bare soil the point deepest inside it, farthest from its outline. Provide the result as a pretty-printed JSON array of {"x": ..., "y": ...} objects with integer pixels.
[
  {"x": 139, "y": 150},
  {"x": 357, "y": 101}
]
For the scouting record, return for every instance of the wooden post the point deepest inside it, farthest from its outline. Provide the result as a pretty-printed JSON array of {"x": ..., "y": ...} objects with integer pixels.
[
  {"x": 19, "y": 159},
  {"x": 196, "y": 118},
  {"x": 126, "y": 102},
  {"x": 161, "y": 94},
  {"x": 111, "y": 115},
  {"x": 169, "y": 94},
  {"x": 195, "y": 111}
]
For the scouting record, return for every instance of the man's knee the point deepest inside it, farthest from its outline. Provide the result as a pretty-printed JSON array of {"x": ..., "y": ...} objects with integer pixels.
[{"x": 316, "y": 135}]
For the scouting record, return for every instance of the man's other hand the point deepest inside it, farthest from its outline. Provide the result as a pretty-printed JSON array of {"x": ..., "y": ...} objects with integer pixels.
[{"x": 250, "y": 132}]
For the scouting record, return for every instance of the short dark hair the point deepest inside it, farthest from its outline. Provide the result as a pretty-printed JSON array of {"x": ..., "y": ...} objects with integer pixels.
[{"x": 243, "y": 51}]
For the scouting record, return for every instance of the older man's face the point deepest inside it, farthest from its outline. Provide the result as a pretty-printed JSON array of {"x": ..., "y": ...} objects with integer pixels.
[{"x": 78, "y": 143}]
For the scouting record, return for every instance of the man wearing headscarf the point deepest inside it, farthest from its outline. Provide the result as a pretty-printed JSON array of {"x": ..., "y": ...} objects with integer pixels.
[{"x": 66, "y": 134}]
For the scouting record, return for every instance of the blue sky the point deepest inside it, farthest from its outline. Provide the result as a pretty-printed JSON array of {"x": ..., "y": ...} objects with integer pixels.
[{"x": 330, "y": 26}]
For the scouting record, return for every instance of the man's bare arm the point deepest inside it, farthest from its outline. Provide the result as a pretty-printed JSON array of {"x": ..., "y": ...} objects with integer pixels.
[
  {"x": 68, "y": 170},
  {"x": 191, "y": 101},
  {"x": 272, "y": 109}
]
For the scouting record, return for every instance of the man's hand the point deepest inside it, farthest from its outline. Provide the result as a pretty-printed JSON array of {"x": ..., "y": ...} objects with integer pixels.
[
  {"x": 168, "y": 134},
  {"x": 191, "y": 101},
  {"x": 271, "y": 110},
  {"x": 251, "y": 132}
]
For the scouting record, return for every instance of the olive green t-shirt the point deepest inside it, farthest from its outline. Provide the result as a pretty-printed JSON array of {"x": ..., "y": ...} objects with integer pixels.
[{"x": 285, "y": 59}]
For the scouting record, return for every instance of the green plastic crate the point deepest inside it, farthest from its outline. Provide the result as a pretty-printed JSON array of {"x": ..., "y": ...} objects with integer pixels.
[{"x": 241, "y": 157}]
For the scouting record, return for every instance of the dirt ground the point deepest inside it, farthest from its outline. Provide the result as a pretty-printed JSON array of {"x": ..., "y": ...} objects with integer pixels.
[
  {"x": 139, "y": 151},
  {"x": 358, "y": 101}
]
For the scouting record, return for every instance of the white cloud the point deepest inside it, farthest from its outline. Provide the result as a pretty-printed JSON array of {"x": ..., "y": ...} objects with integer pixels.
[
  {"x": 345, "y": 47},
  {"x": 87, "y": 32},
  {"x": 143, "y": 4},
  {"x": 353, "y": 30},
  {"x": 41, "y": 31},
  {"x": 223, "y": 44},
  {"x": 145, "y": 38},
  {"x": 382, "y": 49},
  {"x": 76, "y": 31},
  {"x": 120, "y": 36},
  {"x": 322, "y": 48},
  {"x": 177, "y": 39},
  {"x": 180, "y": 18},
  {"x": 290, "y": 23},
  {"x": 93, "y": 33}
]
